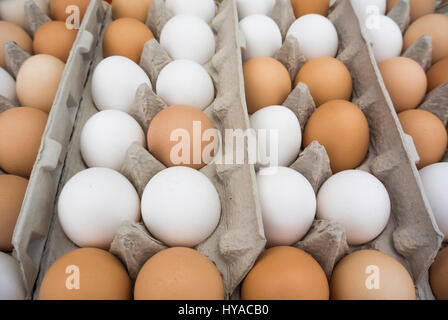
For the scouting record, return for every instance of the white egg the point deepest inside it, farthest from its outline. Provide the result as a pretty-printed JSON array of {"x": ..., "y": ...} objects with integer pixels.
[
  {"x": 14, "y": 11},
  {"x": 279, "y": 136},
  {"x": 188, "y": 37},
  {"x": 94, "y": 203},
  {"x": 316, "y": 35},
  {"x": 7, "y": 86},
  {"x": 185, "y": 82},
  {"x": 366, "y": 9},
  {"x": 435, "y": 184},
  {"x": 204, "y": 9},
  {"x": 288, "y": 205},
  {"x": 106, "y": 138},
  {"x": 181, "y": 207},
  {"x": 385, "y": 37},
  {"x": 358, "y": 201},
  {"x": 11, "y": 283},
  {"x": 115, "y": 82},
  {"x": 262, "y": 36},
  {"x": 249, "y": 7}
]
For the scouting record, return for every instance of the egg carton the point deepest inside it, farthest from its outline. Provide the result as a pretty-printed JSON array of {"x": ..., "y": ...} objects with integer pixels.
[
  {"x": 32, "y": 227},
  {"x": 411, "y": 235},
  {"x": 239, "y": 238}
]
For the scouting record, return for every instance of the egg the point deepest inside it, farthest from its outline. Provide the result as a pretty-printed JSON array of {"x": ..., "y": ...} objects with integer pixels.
[
  {"x": 358, "y": 201},
  {"x": 55, "y": 39},
  {"x": 14, "y": 11},
  {"x": 341, "y": 127},
  {"x": 178, "y": 136},
  {"x": 7, "y": 86},
  {"x": 181, "y": 207},
  {"x": 327, "y": 78},
  {"x": 371, "y": 275},
  {"x": 102, "y": 145},
  {"x": 21, "y": 131},
  {"x": 204, "y": 9},
  {"x": 262, "y": 37},
  {"x": 304, "y": 7},
  {"x": 249, "y": 7},
  {"x": 38, "y": 81},
  {"x": 11, "y": 283},
  {"x": 179, "y": 274},
  {"x": 94, "y": 203},
  {"x": 137, "y": 9},
  {"x": 59, "y": 8},
  {"x": 115, "y": 82},
  {"x": 437, "y": 74},
  {"x": 438, "y": 275},
  {"x": 288, "y": 205},
  {"x": 285, "y": 273},
  {"x": 419, "y": 8},
  {"x": 13, "y": 190},
  {"x": 316, "y": 35},
  {"x": 385, "y": 38},
  {"x": 188, "y": 37},
  {"x": 11, "y": 32},
  {"x": 266, "y": 83},
  {"x": 366, "y": 8},
  {"x": 279, "y": 135},
  {"x": 405, "y": 81},
  {"x": 434, "y": 25},
  {"x": 185, "y": 82},
  {"x": 429, "y": 135},
  {"x": 435, "y": 183},
  {"x": 86, "y": 274},
  {"x": 126, "y": 37}
]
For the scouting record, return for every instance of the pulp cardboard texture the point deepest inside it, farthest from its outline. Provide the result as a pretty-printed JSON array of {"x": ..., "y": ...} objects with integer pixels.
[
  {"x": 239, "y": 238},
  {"x": 34, "y": 220}
]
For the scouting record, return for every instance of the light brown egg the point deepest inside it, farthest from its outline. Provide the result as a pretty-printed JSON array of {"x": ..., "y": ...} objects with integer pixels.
[
  {"x": 137, "y": 9},
  {"x": 438, "y": 275},
  {"x": 181, "y": 117},
  {"x": 343, "y": 130},
  {"x": 86, "y": 274},
  {"x": 21, "y": 132},
  {"x": 126, "y": 37},
  {"x": 371, "y": 275},
  {"x": 303, "y": 7},
  {"x": 405, "y": 81},
  {"x": 12, "y": 192},
  {"x": 58, "y": 8},
  {"x": 266, "y": 82},
  {"x": 419, "y": 8},
  {"x": 437, "y": 75},
  {"x": 434, "y": 25},
  {"x": 12, "y": 32},
  {"x": 179, "y": 274},
  {"x": 429, "y": 135},
  {"x": 38, "y": 81},
  {"x": 327, "y": 78},
  {"x": 285, "y": 273}
]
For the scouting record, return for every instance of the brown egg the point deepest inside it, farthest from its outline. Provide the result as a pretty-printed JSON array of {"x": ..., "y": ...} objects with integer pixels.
[
  {"x": 12, "y": 32},
  {"x": 12, "y": 192},
  {"x": 342, "y": 129},
  {"x": 179, "y": 274},
  {"x": 419, "y": 8},
  {"x": 437, "y": 75},
  {"x": 327, "y": 78},
  {"x": 55, "y": 39},
  {"x": 86, "y": 274},
  {"x": 285, "y": 273},
  {"x": 438, "y": 275},
  {"x": 405, "y": 81},
  {"x": 38, "y": 81},
  {"x": 180, "y": 117},
  {"x": 126, "y": 37},
  {"x": 266, "y": 82},
  {"x": 58, "y": 8},
  {"x": 303, "y": 7},
  {"x": 429, "y": 135},
  {"x": 434, "y": 25},
  {"x": 137, "y": 9},
  {"x": 21, "y": 131},
  {"x": 371, "y": 275}
]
